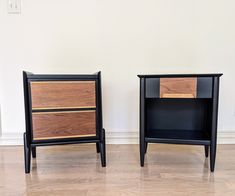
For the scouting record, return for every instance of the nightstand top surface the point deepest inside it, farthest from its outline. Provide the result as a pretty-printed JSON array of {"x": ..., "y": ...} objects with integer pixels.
[{"x": 179, "y": 75}]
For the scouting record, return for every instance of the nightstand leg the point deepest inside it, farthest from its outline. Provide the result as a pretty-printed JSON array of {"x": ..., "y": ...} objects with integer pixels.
[
  {"x": 34, "y": 152},
  {"x": 98, "y": 147},
  {"x": 142, "y": 153},
  {"x": 214, "y": 123},
  {"x": 212, "y": 156},
  {"x": 27, "y": 155},
  {"x": 206, "y": 151},
  {"x": 142, "y": 145},
  {"x": 102, "y": 148}
]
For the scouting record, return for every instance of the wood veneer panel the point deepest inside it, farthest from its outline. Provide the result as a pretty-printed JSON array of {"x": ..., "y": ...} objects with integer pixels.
[
  {"x": 178, "y": 87},
  {"x": 63, "y": 94},
  {"x": 49, "y": 125}
]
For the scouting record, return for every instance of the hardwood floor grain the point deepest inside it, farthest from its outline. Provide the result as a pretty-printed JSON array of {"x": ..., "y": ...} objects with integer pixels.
[{"x": 76, "y": 170}]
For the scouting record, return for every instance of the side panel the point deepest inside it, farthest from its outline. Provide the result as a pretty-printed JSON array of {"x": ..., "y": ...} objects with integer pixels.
[
  {"x": 204, "y": 87},
  {"x": 152, "y": 87}
]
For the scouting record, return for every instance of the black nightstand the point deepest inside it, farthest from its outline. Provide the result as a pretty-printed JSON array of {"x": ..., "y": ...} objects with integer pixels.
[
  {"x": 62, "y": 109},
  {"x": 179, "y": 109}
]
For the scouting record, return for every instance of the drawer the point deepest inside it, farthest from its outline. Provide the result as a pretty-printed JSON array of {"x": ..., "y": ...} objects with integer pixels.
[
  {"x": 52, "y": 125},
  {"x": 178, "y": 87},
  {"x": 63, "y": 94},
  {"x": 188, "y": 87}
]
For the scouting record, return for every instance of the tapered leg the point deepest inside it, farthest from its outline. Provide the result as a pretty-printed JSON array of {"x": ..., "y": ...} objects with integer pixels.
[
  {"x": 214, "y": 123},
  {"x": 102, "y": 148},
  {"x": 212, "y": 156},
  {"x": 142, "y": 142},
  {"x": 142, "y": 152},
  {"x": 34, "y": 152},
  {"x": 27, "y": 155},
  {"x": 97, "y": 147},
  {"x": 206, "y": 151},
  {"x": 146, "y": 147}
]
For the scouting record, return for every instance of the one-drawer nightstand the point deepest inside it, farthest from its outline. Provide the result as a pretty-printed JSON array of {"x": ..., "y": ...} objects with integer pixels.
[
  {"x": 62, "y": 109},
  {"x": 179, "y": 109}
]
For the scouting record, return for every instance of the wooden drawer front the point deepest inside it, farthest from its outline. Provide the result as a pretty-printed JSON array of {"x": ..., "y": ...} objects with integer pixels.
[
  {"x": 63, "y": 94},
  {"x": 51, "y": 125},
  {"x": 178, "y": 87}
]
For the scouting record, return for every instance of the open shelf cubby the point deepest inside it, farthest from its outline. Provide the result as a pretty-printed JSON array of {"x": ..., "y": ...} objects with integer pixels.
[{"x": 184, "y": 121}]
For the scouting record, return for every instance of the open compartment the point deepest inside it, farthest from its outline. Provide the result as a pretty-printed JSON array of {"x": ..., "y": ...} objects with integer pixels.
[{"x": 178, "y": 120}]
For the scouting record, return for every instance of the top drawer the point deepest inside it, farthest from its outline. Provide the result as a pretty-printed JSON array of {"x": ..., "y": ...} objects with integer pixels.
[
  {"x": 188, "y": 87},
  {"x": 178, "y": 87},
  {"x": 62, "y": 94}
]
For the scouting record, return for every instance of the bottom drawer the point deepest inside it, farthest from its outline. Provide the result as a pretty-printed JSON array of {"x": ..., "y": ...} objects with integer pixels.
[{"x": 52, "y": 125}]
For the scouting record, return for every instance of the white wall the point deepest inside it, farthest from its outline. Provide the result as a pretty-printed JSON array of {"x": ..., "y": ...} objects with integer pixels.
[{"x": 122, "y": 38}]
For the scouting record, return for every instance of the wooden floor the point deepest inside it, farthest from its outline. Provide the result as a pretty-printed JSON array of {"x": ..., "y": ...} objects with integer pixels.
[{"x": 76, "y": 170}]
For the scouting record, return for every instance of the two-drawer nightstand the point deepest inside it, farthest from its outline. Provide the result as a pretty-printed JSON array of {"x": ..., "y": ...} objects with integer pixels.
[
  {"x": 179, "y": 109},
  {"x": 62, "y": 109}
]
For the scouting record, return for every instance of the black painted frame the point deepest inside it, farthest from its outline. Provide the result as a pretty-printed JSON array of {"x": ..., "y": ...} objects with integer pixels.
[
  {"x": 209, "y": 144},
  {"x": 30, "y": 144}
]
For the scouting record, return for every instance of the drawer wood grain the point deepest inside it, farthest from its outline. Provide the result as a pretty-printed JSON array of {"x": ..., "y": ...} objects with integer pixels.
[
  {"x": 63, "y": 94},
  {"x": 178, "y": 87},
  {"x": 51, "y": 125}
]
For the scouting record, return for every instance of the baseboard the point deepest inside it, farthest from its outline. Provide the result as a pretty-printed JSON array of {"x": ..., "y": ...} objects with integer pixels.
[
  {"x": 226, "y": 137},
  {"x": 9, "y": 139},
  {"x": 122, "y": 137},
  {"x": 114, "y": 137}
]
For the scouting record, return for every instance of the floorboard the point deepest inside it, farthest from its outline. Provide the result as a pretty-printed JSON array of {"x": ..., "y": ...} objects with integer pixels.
[{"x": 76, "y": 170}]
